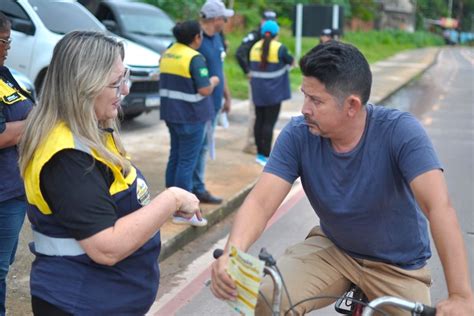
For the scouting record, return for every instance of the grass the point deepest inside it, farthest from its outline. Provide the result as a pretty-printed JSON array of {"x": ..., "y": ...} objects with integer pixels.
[{"x": 375, "y": 45}]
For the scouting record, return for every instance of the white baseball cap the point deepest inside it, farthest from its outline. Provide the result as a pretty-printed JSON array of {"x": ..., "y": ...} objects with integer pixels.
[{"x": 214, "y": 9}]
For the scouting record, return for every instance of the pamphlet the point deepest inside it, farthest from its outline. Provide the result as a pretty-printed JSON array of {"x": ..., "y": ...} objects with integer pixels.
[{"x": 247, "y": 273}]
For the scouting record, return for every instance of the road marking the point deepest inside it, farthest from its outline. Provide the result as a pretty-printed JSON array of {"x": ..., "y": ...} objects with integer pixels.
[{"x": 196, "y": 275}]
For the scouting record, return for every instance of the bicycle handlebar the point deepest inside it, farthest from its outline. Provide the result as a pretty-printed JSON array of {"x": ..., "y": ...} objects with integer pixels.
[{"x": 415, "y": 307}]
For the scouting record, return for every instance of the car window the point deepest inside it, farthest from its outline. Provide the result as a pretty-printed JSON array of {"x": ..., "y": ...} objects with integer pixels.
[
  {"x": 73, "y": 17},
  {"x": 147, "y": 24},
  {"x": 13, "y": 10}
]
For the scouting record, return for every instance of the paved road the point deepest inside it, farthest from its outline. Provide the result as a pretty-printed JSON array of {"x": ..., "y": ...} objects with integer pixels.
[{"x": 442, "y": 99}]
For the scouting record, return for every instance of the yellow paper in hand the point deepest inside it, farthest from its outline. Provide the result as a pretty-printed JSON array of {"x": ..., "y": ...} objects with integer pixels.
[{"x": 247, "y": 273}]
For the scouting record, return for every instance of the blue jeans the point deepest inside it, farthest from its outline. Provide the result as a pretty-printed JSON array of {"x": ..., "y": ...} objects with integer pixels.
[
  {"x": 186, "y": 143},
  {"x": 200, "y": 170},
  {"x": 12, "y": 215}
]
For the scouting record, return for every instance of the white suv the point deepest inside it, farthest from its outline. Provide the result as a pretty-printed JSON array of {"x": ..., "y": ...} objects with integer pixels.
[{"x": 37, "y": 25}]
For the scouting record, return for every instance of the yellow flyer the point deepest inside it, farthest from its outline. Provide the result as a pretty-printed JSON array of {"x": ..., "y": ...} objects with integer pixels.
[{"x": 247, "y": 273}]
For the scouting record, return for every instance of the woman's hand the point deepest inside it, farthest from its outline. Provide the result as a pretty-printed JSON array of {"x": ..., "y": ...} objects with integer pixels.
[{"x": 187, "y": 204}]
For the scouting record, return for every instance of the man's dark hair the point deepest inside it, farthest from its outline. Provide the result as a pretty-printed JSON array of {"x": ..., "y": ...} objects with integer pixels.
[
  {"x": 186, "y": 31},
  {"x": 5, "y": 23},
  {"x": 341, "y": 68}
]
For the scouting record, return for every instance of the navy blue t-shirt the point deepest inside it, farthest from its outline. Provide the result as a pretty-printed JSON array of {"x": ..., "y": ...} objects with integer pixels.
[
  {"x": 363, "y": 197},
  {"x": 212, "y": 48}
]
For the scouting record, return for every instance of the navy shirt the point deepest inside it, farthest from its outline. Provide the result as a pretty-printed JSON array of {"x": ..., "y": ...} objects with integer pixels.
[
  {"x": 19, "y": 105},
  {"x": 212, "y": 48},
  {"x": 363, "y": 197}
]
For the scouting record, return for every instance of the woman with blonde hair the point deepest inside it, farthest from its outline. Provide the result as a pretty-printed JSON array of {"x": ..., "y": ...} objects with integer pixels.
[{"x": 95, "y": 227}]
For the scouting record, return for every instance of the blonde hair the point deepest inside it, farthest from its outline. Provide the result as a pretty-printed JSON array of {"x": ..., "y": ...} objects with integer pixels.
[{"x": 80, "y": 69}]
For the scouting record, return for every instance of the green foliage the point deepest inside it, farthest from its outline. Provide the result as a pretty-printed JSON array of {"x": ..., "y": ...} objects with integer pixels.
[
  {"x": 365, "y": 10},
  {"x": 375, "y": 45},
  {"x": 180, "y": 10}
]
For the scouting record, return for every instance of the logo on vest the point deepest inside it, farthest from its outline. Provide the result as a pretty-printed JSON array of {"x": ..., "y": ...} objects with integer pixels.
[
  {"x": 143, "y": 195},
  {"x": 9, "y": 99}
]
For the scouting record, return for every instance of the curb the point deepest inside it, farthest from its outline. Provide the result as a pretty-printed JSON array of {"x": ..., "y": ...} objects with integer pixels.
[{"x": 214, "y": 216}]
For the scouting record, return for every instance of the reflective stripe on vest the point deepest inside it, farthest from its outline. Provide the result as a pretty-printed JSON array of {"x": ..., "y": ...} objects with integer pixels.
[
  {"x": 178, "y": 95},
  {"x": 270, "y": 74},
  {"x": 52, "y": 246}
]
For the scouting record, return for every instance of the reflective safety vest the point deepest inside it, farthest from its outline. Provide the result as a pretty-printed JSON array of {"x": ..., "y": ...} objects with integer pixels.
[
  {"x": 180, "y": 100},
  {"x": 271, "y": 85},
  {"x": 63, "y": 274},
  {"x": 16, "y": 103}
]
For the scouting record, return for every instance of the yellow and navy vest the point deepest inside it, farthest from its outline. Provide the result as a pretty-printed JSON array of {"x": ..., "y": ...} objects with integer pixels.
[
  {"x": 271, "y": 85},
  {"x": 180, "y": 100},
  {"x": 62, "y": 273},
  {"x": 16, "y": 104}
]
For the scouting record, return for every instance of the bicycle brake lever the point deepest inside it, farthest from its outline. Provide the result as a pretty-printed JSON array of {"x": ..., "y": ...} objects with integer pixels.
[{"x": 267, "y": 257}]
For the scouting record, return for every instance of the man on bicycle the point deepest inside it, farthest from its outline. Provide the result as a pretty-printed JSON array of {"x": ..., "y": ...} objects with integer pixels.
[{"x": 372, "y": 176}]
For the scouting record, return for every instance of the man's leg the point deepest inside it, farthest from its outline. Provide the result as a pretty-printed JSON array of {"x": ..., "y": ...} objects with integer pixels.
[
  {"x": 250, "y": 147},
  {"x": 199, "y": 187},
  {"x": 170, "y": 173},
  {"x": 200, "y": 169},
  {"x": 380, "y": 279},
  {"x": 307, "y": 271}
]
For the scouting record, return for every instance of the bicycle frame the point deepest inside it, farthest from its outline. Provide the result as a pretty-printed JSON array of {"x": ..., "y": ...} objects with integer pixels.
[{"x": 277, "y": 281}]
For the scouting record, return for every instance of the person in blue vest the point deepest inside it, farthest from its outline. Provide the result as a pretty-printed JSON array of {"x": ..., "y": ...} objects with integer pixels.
[
  {"x": 95, "y": 225},
  {"x": 242, "y": 55},
  {"x": 214, "y": 15},
  {"x": 185, "y": 106},
  {"x": 15, "y": 104},
  {"x": 270, "y": 84}
]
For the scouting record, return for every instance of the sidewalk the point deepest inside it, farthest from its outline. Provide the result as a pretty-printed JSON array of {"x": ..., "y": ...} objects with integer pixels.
[{"x": 233, "y": 173}]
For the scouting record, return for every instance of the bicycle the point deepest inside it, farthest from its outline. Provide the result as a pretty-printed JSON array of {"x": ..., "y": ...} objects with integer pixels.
[{"x": 354, "y": 298}]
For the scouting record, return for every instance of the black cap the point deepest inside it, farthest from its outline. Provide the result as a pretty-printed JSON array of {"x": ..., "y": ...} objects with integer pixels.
[
  {"x": 269, "y": 15},
  {"x": 327, "y": 32}
]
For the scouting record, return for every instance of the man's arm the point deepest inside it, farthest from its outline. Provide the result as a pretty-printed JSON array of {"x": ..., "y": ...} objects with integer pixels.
[
  {"x": 12, "y": 133},
  {"x": 250, "y": 221},
  {"x": 227, "y": 98},
  {"x": 431, "y": 193},
  {"x": 242, "y": 52}
]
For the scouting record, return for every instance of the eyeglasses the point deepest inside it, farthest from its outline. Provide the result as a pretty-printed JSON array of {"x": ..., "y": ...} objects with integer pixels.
[
  {"x": 5, "y": 41},
  {"x": 124, "y": 81}
]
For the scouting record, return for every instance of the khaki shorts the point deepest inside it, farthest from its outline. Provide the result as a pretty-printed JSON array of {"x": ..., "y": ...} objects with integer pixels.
[{"x": 316, "y": 267}]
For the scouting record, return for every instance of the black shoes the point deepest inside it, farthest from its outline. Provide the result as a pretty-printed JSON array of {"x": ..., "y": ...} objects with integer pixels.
[{"x": 206, "y": 197}]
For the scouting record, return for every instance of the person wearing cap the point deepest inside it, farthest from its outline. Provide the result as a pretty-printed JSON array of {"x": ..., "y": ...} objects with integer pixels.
[
  {"x": 185, "y": 106},
  {"x": 214, "y": 15},
  {"x": 270, "y": 84},
  {"x": 326, "y": 35},
  {"x": 242, "y": 55}
]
